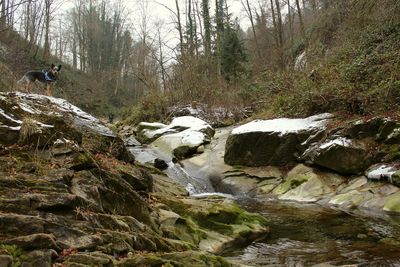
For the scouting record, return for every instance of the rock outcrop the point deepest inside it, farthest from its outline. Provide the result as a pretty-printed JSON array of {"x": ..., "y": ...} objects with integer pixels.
[
  {"x": 70, "y": 196},
  {"x": 181, "y": 138},
  {"x": 349, "y": 164},
  {"x": 272, "y": 142}
]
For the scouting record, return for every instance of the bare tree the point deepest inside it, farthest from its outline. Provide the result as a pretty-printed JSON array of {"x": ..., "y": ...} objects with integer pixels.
[
  {"x": 47, "y": 19},
  {"x": 207, "y": 28},
  {"x": 300, "y": 18},
  {"x": 250, "y": 16},
  {"x": 179, "y": 25}
]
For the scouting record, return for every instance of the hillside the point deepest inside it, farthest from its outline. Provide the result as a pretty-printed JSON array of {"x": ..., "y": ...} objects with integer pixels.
[
  {"x": 351, "y": 63},
  {"x": 329, "y": 56},
  {"x": 17, "y": 57}
]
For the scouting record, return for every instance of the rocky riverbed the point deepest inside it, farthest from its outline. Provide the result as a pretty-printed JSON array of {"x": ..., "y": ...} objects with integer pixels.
[
  {"x": 320, "y": 166},
  {"x": 352, "y": 164},
  {"x": 71, "y": 194}
]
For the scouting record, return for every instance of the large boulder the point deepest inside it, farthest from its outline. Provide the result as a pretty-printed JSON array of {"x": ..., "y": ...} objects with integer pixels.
[
  {"x": 352, "y": 147},
  {"x": 181, "y": 138},
  {"x": 272, "y": 142},
  {"x": 343, "y": 155},
  {"x": 39, "y": 121}
]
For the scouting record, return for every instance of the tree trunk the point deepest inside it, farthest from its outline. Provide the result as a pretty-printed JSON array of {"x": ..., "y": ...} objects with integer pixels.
[
  {"x": 274, "y": 24},
  {"x": 250, "y": 14},
  {"x": 290, "y": 22},
  {"x": 300, "y": 19},
  {"x": 179, "y": 26},
  {"x": 220, "y": 28},
  {"x": 207, "y": 28},
  {"x": 280, "y": 24},
  {"x": 190, "y": 29},
  {"x": 3, "y": 14},
  {"x": 47, "y": 14}
]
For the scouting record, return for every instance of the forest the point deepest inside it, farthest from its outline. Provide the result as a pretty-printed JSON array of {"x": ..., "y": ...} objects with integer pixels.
[
  {"x": 199, "y": 133},
  {"x": 294, "y": 58}
]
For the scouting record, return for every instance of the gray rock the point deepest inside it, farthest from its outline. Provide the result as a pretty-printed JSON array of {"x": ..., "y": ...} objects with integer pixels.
[
  {"x": 160, "y": 164},
  {"x": 95, "y": 259},
  {"x": 272, "y": 142},
  {"x": 342, "y": 155},
  {"x": 35, "y": 241},
  {"x": 363, "y": 129},
  {"x": 396, "y": 178},
  {"x": 131, "y": 141},
  {"x": 42, "y": 258},
  {"x": 6, "y": 261}
]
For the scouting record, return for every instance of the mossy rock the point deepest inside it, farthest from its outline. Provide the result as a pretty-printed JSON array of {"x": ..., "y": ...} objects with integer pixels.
[
  {"x": 392, "y": 203},
  {"x": 177, "y": 259},
  {"x": 297, "y": 176},
  {"x": 214, "y": 224},
  {"x": 396, "y": 178},
  {"x": 82, "y": 161},
  {"x": 118, "y": 197}
]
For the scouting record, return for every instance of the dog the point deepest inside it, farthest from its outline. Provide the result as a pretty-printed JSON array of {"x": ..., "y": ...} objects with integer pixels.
[{"x": 47, "y": 78}]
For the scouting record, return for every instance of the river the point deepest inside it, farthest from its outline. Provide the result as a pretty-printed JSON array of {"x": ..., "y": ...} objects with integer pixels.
[{"x": 301, "y": 234}]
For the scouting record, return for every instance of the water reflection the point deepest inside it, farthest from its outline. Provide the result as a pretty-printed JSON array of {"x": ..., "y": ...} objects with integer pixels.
[{"x": 311, "y": 235}]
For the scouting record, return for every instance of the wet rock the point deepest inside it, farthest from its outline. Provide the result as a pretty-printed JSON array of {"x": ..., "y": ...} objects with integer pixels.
[
  {"x": 81, "y": 161},
  {"x": 177, "y": 126},
  {"x": 362, "y": 129},
  {"x": 214, "y": 225},
  {"x": 150, "y": 126},
  {"x": 308, "y": 185},
  {"x": 42, "y": 258},
  {"x": 395, "y": 178},
  {"x": 117, "y": 195},
  {"x": 183, "y": 152},
  {"x": 381, "y": 172},
  {"x": 342, "y": 155},
  {"x": 35, "y": 241},
  {"x": 93, "y": 258},
  {"x": 388, "y": 131},
  {"x": 160, "y": 164},
  {"x": 62, "y": 147},
  {"x": 6, "y": 261},
  {"x": 186, "y": 258},
  {"x": 182, "y": 137},
  {"x": 17, "y": 224},
  {"x": 139, "y": 181},
  {"x": 131, "y": 141},
  {"x": 85, "y": 185},
  {"x": 271, "y": 142},
  {"x": 392, "y": 203},
  {"x": 236, "y": 183}
]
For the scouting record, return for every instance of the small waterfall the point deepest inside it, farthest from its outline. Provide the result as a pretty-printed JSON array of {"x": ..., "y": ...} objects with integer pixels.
[{"x": 176, "y": 171}]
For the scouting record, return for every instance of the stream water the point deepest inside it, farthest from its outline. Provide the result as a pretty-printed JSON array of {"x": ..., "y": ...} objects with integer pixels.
[
  {"x": 311, "y": 235},
  {"x": 301, "y": 234}
]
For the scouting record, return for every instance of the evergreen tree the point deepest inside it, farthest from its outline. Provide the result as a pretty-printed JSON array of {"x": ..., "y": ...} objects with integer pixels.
[{"x": 233, "y": 54}]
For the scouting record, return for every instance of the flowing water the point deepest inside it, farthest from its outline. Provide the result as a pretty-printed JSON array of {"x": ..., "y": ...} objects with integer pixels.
[
  {"x": 311, "y": 235},
  {"x": 301, "y": 234}
]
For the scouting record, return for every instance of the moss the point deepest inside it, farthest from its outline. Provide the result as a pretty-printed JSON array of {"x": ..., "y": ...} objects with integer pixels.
[
  {"x": 82, "y": 161},
  {"x": 392, "y": 203},
  {"x": 297, "y": 182}
]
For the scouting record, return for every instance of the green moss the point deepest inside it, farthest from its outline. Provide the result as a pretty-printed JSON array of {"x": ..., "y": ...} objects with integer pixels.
[
  {"x": 83, "y": 161},
  {"x": 297, "y": 182},
  {"x": 392, "y": 203}
]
